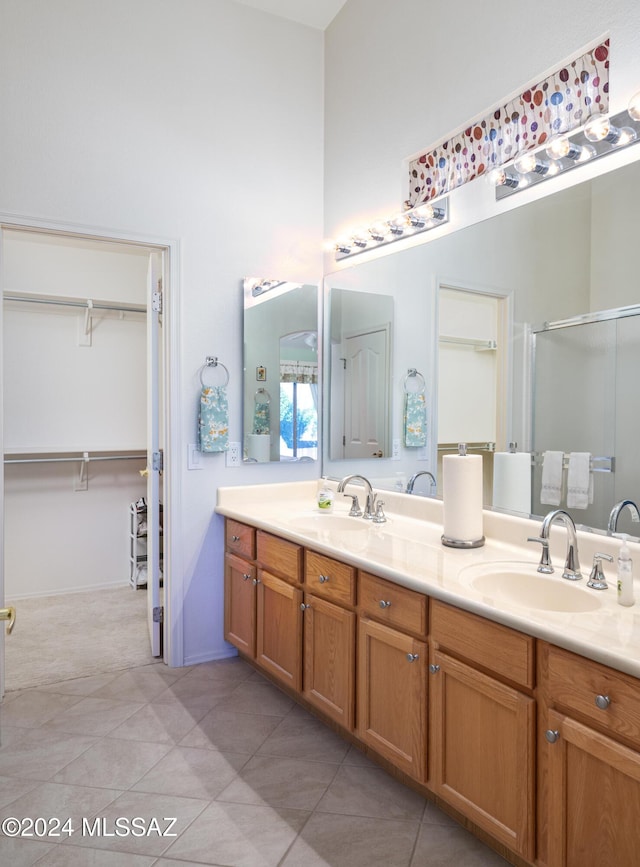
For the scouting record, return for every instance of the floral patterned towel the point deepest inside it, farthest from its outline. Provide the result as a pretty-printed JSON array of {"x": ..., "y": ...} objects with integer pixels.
[
  {"x": 261, "y": 418},
  {"x": 213, "y": 419},
  {"x": 415, "y": 420}
]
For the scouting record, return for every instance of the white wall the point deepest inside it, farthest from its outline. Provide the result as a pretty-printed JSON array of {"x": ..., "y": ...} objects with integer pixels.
[{"x": 195, "y": 120}]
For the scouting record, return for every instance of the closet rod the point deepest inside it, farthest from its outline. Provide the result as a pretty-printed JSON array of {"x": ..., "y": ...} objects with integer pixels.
[
  {"x": 124, "y": 308},
  {"x": 140, "y": 457}
]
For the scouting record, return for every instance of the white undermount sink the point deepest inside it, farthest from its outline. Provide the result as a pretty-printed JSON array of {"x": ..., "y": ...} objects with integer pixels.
[{"x": 522, "y": 585}]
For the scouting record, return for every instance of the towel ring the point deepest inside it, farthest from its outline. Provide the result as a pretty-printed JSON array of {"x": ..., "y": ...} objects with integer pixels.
[
  {"x": 412, "y": 373},
  {"x": 212, "y": 361},
  {"x": 259, "y": 393}
]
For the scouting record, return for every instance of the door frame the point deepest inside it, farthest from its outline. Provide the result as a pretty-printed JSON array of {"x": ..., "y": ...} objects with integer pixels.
[{"x": 173, "y": 625}]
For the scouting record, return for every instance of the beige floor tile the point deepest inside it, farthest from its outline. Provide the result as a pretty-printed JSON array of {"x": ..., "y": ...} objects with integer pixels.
[
  {"x": 435, "y": 816},
  {"x": 232, "y": 669},
  {"x": 280, "y": 782},
  {"x": 38, "y": 755},
  {"x": 239, "y": 834},
  {"x": 452, "y": 846},
  {"x": 11, "y": 734},
  {"x": 112, "y": 764},
  {"x": 227, "y": 730},
  {"x": 68, "y": 856},
  {"x": 32, "y": 708},
  {"x": 62, "y": 802},
  {"x": 139, "y": 684},
  {"x": 79, "y": 685},
  {"x": 357, "y": 757},
  {"x": 94, "y": 716},
  {"x": 203, "y": 691},
  {"x": 370, "y": 792},
  {"x": 300, "y": 736},
  {"x": 193, "y": 773},
  {"x": 11, "y": 789},
  {"x": 329, "y": 840},
  {"x": 160, "y": 723},
  {"x": 152, "y": 839},
  {"x": 255, "y": 697},
  {"x": 22, "y": 853}
]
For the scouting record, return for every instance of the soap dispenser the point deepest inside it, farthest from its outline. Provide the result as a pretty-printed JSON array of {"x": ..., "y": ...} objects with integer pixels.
[{"x": 625, "y": 574}]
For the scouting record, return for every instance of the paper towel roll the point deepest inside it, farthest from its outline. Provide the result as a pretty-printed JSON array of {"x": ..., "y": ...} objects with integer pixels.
[
  {"x": 259, "y": 448},
  {"x": 512, "y": 481},
  {"x": 462, "y": 501}
]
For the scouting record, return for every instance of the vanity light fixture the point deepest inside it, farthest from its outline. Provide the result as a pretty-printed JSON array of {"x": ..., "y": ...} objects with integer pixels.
[
  {"x": 419, "y": 219},
  {"x": 265, "y": 286},
  {"x": 598, "y": 137}
]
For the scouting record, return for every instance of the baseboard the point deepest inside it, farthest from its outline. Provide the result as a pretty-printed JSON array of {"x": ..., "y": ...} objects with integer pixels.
[
  {"x": 110, "y": 585},
  {"x": 197, "y": 658}
]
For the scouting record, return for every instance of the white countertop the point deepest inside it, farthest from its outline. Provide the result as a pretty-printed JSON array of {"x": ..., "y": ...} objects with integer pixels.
[{"x": 407, "y": 549}]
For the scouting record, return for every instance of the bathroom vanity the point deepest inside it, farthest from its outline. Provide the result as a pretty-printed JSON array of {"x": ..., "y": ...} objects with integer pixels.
[{"x": 518, "y": 713}]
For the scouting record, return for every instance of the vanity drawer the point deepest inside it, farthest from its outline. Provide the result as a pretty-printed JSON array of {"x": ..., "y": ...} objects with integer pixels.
[
  {"x": 279, "y": 556},
  {"x": 576, "y": 683},
  {"x": 240, "y": 539},
  {"x": 504, "y": 652},
  {"x": 392, "y": 604},
  {"x": 329, "y": 578}
]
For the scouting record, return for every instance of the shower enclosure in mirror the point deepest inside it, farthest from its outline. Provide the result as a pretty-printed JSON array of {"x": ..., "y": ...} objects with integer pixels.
[{"x": 280, "y": 394}]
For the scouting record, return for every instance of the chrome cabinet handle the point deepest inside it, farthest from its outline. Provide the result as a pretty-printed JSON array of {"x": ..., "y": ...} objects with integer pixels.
[
  {"x": 235, "y": 538},
  {"x": 603, "y": 701},
  {"x": 256, "y": 581},
  {"x": 323, "y": 578},
  {"x": 384, "y": 604},
  {"x": 412, "y": 657},
  {"x": 552, "y": 735},
  {"x": 246, "y": 577},
  {"x": 433, "y": 668},
  {"x": 304, "y": 606}
]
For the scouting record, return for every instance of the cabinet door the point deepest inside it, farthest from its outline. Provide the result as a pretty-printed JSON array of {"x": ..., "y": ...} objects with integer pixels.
[
  {"x": 329, "y": 659},
  {"x": 279, "y": 629},
  {"x": 593, "y": 799},
  {"x": 392, "y": 696},
  {"x": 482, "y": 750},
  {"x": 240, "y": 604}
]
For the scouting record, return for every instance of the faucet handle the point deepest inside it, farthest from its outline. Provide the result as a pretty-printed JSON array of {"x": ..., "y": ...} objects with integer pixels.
[
  {"x": 355, "y": 511},
  {"x": 379, "y": 517},
  {"x": 545, "y": 563},
  {"x": 597, "y": 580}
]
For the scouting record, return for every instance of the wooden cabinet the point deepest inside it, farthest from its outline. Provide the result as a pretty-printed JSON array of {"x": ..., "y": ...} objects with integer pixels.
[
  {"x": 329, "y": 659},
  {"x": 392, "y": 695},
  {"x": 591, "y": 763},
  {"x": 482, "y": 744},
  {"x": 279, "y": 629},
  {"x": 240, "y": 604}
]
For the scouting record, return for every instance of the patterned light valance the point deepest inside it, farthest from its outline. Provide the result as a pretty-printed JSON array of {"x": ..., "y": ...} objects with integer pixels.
[
  {"x": 299, "y": 371},
  {"x": 561, "y": 102}
]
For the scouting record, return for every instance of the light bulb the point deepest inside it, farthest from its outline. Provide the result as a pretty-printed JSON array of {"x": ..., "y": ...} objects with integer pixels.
[
  {"x": 627, "y": 135},
  {"x": 397, "y": 225},
  {"x": 343, "y": 246},
  {"x": 600, "y": 129},
  {"x": 502, "y": 178},
  {"x": 378, "y": 232},
  {"x": 634, "y": 106},
  {"x": 560, "y": 147},
  {"x": 525, "y": 163}
]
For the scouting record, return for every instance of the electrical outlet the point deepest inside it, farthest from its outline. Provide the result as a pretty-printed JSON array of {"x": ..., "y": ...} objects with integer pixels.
[
  {"x": 232, "y": 456},
  {"x": 194, "y": 457},
  {"x": 395, "y": 450}
]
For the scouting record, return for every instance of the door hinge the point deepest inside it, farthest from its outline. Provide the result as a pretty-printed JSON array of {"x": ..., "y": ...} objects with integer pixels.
[
  {"x": 344, "y": 439},
  {"x": 156, "y": 302},
  {"x": 158, "y": 614},
  {"x": 157, "y": 462}
]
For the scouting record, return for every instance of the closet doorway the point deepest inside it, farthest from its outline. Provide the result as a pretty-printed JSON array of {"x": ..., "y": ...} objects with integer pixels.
[{"x": 83, "y": 421}]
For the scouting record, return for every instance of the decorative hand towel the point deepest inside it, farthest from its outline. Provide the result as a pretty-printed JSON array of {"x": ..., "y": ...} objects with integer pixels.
[
  {"x": 261, "y": 418},
  {"x": 415, "y": 419},
  {"x": 551, "y": 492},
  {"x": 579, "y": 481},
  {"x": 213, "y": 419}
]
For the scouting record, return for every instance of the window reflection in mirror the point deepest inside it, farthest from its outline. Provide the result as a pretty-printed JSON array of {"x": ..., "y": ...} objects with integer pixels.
[{"x": 280, "y": 394}]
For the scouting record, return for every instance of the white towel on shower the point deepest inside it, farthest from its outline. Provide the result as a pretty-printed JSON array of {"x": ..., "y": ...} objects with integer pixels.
[
  {"x": 551, "y": 492},
  {"x": 579, "y": 481}
]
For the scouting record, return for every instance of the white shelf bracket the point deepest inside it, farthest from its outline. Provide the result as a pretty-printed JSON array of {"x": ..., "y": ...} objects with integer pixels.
[
  {"x": 82, "y": 480},
  {"x": 85, "y": 325}
]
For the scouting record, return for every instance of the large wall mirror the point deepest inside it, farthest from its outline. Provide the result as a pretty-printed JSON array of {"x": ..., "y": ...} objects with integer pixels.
[
  {"x": 469, "y": 313},
  {"x": 280, "y": 389}
]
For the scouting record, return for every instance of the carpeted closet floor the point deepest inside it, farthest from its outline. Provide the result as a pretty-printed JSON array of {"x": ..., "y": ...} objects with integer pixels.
[{"x": 76, "y": 635}]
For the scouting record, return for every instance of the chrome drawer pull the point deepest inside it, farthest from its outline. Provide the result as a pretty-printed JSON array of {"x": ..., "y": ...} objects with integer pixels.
[
  {"x": 384, "y": 604},
  {"x": 412, "y": 657},
  {"x": 603, "y": 701},
  {"x": 304, "y": 606},
  {"x": 433, "y": 668},
  {"x": 246, "y": 577},
  {"x": 552, "y": 735},
  {"x": 323, "y": 579},
  {"x": 256, "y": 580},
  {"x": 235, "y": 538}
]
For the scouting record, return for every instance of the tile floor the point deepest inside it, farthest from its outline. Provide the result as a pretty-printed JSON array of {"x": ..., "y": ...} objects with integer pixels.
[{"x": 251, "y": 779}]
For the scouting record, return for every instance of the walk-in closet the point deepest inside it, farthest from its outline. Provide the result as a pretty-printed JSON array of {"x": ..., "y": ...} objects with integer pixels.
[{"x": 75, "y": 390}]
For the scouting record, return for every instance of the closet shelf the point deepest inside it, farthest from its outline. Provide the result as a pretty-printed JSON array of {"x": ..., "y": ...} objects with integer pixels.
[
  {"x": 51, "y": 456},
  {"x": 479, "y": 343},
  {"x": 68, "y": 301}
]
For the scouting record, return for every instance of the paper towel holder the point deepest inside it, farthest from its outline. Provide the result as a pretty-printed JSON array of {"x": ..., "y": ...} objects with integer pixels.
[{"x": 462, "y": 543}]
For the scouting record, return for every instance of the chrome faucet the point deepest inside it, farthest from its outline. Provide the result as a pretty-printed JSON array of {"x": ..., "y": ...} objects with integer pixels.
[
  {"x": 572, "y": 564},
  {"x": 615, "y": 514},
  {"x": 412, "y": 480},
  {"x": 371, "y": 497}
]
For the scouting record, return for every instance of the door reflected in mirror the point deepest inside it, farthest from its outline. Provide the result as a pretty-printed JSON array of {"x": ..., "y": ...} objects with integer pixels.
[{"x": 280, "y": 394}]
